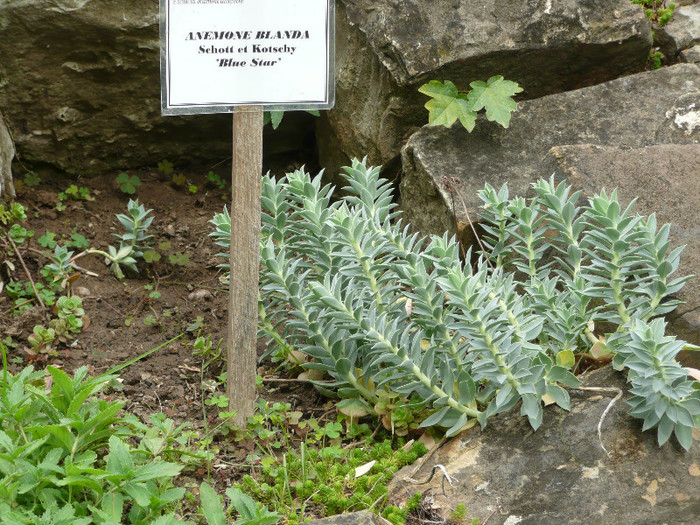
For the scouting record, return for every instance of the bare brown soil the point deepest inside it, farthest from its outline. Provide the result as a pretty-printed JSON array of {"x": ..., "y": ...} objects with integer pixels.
[{"x": 124, "y": 321}]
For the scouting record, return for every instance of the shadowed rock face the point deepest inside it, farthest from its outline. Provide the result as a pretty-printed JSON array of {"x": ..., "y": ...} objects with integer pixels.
[
  {"x": 658, "y": 107},
  {"x": 386, "y": 49},
  {"x": 80, "y": 88},
  {"x": 560, "y": 474},
  {"x": 630, "y": 113}
]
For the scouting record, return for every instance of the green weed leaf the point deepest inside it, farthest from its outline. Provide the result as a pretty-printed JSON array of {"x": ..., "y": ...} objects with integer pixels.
[
  {"x": 275, "y": 118},
  {"x": 212, "y": 505},
  {"x": 496, "y": 96},
  {"x": 566, "y": 359},
  {"x": 128, "y": 183},
  {"x": 32, "y": 179},
  {"x": 179, "y": 259},
  {"x": 250, "y": 512},
  {"x": 165, "y": 167},
  {"x": 447, "y": 105},
  {"x": 119, "y": 459}
]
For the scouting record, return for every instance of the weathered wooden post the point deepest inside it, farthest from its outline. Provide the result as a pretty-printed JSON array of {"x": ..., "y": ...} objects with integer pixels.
[
  {"x": 244, "y": 56},
  {"x": 245, "y": 261}
]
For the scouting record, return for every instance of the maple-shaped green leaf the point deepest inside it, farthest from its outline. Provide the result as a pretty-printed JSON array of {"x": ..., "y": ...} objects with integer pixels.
[
  {"x": 496, "y": 96},
  {"x": 447, "y": 105},
  {"x": 179, "y": 179}
]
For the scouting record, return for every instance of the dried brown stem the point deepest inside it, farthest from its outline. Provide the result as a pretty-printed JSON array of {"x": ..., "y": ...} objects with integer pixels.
[
  {"x": 289, "y": 380},
  {"x": 26, "y": 270},
  {"x": 450, "y": 183}
]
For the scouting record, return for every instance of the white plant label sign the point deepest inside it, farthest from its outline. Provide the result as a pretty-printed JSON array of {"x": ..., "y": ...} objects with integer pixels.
[{"x": 216, "y": 54}]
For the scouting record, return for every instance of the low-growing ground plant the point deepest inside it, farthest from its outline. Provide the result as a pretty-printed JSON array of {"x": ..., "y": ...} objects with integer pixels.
[
  {"x": 32, "y": 179},
  {"x": 658, "y": 11},
  {"x": 64, "y": 328},
  {"x": 166, "y": 248},
  {"x": 60, "y": 273},
  {"x": 75, "y": 193},
  {"x": 250, "y": 512},
  {"x": 215, "y": 180},
  {"x": 69, "y": 457},
  {"x": 128, "y": 183},
  {"x": 300, "y": 468},
  {"x": 132, "y": 244},
  {"x": 385, "y": 313},
  {"x": 179, "y": 179},
  {"x": 165, "y": 167}
]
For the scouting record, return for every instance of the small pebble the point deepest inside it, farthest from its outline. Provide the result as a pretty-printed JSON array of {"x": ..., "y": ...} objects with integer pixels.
[
  {"x": 200, "y": 294},
  {"x": 81, "y": 291}
]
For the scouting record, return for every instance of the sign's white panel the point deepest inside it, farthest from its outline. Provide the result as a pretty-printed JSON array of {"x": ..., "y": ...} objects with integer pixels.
[{"x": 216, "y": 54}]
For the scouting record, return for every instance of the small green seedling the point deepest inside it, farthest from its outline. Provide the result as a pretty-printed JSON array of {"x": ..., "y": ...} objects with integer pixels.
[
  {"x": 40, "y": 341},
  {"x": 152, "y": 293},
  {"x": 59, "y": 271},
  {"x": 251, "y": 513},
  {"x": 47, "y": 240},
  {"x": 128, "y": 183},
  {"x": 165, "y": 167},
  {"x": 657, "y": 10},
  {"x": 179, "y": 259},
  {"x": 32, "y": 179},
  {"x": 78, "y": 241},
  {"x": 19, "y": 234},
  {"x": 70, "y": 318},
  {"x": 196, "y": 324},
  {"x": 216, "y": 180},
  {"x": 75, "y": 193},
  {"x": 15, "y": 213},
  {"x": 151, "y": 256}
]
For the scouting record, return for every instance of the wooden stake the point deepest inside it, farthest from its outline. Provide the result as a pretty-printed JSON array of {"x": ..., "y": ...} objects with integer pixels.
[{"x": 245, "y": 261}]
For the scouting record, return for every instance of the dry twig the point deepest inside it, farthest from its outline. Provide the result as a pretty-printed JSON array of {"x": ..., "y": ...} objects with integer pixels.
[
  {"x": 26, "y": 270},
  {"x": 607, "y": 409}
]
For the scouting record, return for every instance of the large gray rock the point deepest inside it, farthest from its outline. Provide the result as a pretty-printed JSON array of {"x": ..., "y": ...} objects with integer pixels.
[
  {"x": 80, "y": 86},
  {"x": 386, "y": 49},
  {"x": 508, "y": 474},
  {"x": 656, "y": 107},
  {"x": 691, "y": 55},
  {"x": 666, "y": 180},
  {"x": 7, "y": 153}
]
